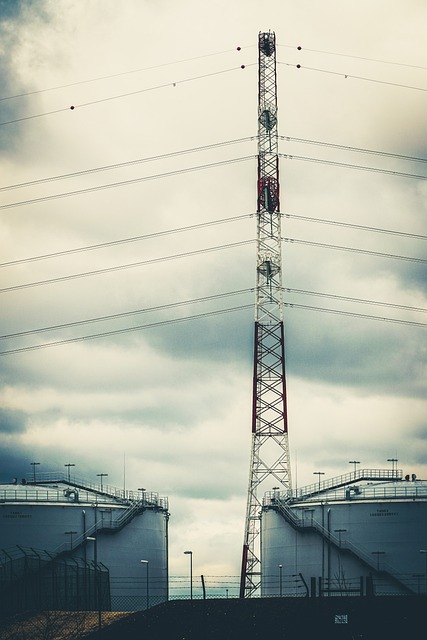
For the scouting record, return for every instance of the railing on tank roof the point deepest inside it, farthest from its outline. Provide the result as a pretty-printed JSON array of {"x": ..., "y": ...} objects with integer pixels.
[
  {"x": 102, "y": 494},
  {"x": 348, "y": 478}
]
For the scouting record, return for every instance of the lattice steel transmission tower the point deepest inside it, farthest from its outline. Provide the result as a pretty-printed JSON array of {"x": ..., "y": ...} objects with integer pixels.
[{"x": 269, "y": 463}]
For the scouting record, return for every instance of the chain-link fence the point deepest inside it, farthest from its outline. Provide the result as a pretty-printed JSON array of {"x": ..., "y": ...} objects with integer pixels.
[{"x": 34, "y": 581}]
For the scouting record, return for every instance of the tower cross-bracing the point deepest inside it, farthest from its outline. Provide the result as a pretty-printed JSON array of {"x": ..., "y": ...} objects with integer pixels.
[{"x": 269, "y": 464}]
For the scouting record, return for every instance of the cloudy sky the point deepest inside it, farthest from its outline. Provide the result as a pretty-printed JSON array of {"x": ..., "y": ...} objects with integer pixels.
[{"x": 156, "y": 163}]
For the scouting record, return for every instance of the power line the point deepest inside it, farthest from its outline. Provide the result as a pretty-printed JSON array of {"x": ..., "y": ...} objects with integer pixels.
[
  {"x": 323, "y": 245},
  {"x": 365, "y": 316},
  {"x": 202, "y": 251},
  {"x": 115, "y": 75},
  {"x": 113, "y": 185},
  {"x": 403, "y": 307},
  {"x": 128, "y": 163},
  {"x": 355, "y": 149},
  {"x": 353, "y": 166},
  {"x": 125, "y": 330},
  {"x": 356, "y": 226},
  {"x": 218, "y": 296},
  {"x": 354, "y": 77},
  {"x": 124, "y": 183},
  {"x": 201, "y": 225},
  {"x": 125, "y": 95},
  {"x": 163, "y": 323},
  {"x": 124, "y": 314},
  {"x": 206, "y": 147},
  {"x": 113, "y": 243},
  {"x": 122, "y": 267},
  {"x": 346, "y": 55}
]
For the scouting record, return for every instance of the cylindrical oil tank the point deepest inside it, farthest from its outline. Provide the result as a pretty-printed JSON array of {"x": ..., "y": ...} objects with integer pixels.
[
  {"x": 342, "y": 542},
  {"x": 115, "y": 529}
]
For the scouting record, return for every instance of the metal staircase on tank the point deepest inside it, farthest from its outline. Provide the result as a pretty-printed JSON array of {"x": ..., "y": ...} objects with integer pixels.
[
  {"x": 342, "y": 545},
  {"x": 135, "y": 503}
]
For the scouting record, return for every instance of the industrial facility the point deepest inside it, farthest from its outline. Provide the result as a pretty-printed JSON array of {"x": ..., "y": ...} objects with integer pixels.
[
  {"x": 66, "y": 543},
  {"x": 64, "y": 538}
]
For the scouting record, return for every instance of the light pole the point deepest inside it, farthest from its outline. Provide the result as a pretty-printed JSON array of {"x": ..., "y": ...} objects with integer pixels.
[
  {"x": 424, "y": 551},
  {"x": 394, "y": 462},
  {"x": 280, "y": 579},
  {"x": 190, "y": 553},
  {"x": 68, "y": 465},
  {"x": 355, "y": 462},
  {"x": 97, "y": 577},
  {"x": 34, "y": 465},
  {"x": 101, "y": 475},
  {"x": 146, "y": 587},
  {"x": 319, "y": 473}
]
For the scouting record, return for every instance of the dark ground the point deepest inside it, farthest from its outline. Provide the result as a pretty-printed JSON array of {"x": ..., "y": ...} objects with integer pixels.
[{"x": 380, "y": 617}]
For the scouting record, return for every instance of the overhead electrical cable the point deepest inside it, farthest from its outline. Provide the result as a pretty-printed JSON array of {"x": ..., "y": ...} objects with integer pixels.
[
  {"x": 364, "y": 316},
  {"x": 355, "y": 226},
  {"x": 377, "y": 303},
  {"x": 128, "y": 163},
  {"x": 187, "y": 254},
  {"x": 113, "y": 243},
  {"x": 106, "y": 334},
  {"x": 347, "y": 55},
  {"x": 331, "y": 145},
  {"x": 131, "y": 265},
  {"x": 125, "y": 314},
  {"x": 246, "y": 216},
  {"x": 323, "y": 245},
  {"x": 116, "y": 75},
  {"x": 119, "y": 165},
  {"x": 173, "y": 83},
  {"x": 358, "y": 167},
  {"x": 113, "y": 332},
  {"x": 354, "y": 77},
  {"x": 124, "y": 183}
]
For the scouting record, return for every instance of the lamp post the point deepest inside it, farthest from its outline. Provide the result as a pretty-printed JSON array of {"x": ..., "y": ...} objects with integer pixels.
[
  {"x": 190, "y": 553},
  {"x": 424, "y": 551},
  {"x": 97, "y": 578},
  {"x": 280, "y": 579},
  {"x": 101, "y": 475},
  {"x": 68, "y": 465},
  {"x": 394, "y": 462},
  {"x": 146, "y": 584},
  {"x": 34, "y": 465},
  {"x": 354, "y": 462},
  {"x": 319, "y": 473}
]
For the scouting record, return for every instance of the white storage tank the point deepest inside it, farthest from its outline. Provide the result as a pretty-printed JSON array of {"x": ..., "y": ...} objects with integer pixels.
[
  {"x": 361, "y": 531},
  {"x": 79, "y": 521}
]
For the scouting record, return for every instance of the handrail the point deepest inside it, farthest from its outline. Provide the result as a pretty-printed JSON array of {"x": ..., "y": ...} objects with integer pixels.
[
  {"x": 348, "y": 478},
  {"x": 339, "y": 542},
  {"x": 103, "y": 494}
]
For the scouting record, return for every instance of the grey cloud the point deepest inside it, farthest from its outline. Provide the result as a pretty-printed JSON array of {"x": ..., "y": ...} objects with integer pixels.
[{"x": 12, "y": 421}]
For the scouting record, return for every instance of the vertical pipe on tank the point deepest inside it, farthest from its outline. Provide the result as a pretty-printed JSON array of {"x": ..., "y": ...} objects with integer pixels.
[{"x": 329, "y": 549}]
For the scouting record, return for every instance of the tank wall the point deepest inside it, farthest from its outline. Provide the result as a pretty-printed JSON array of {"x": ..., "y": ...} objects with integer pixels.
[
  {"x": 395, "y": 529},
  {"x": 44, "y": 526}
]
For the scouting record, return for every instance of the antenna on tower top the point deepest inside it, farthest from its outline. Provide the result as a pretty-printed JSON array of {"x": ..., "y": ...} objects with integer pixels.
[{"x": 270, "y": 451}]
